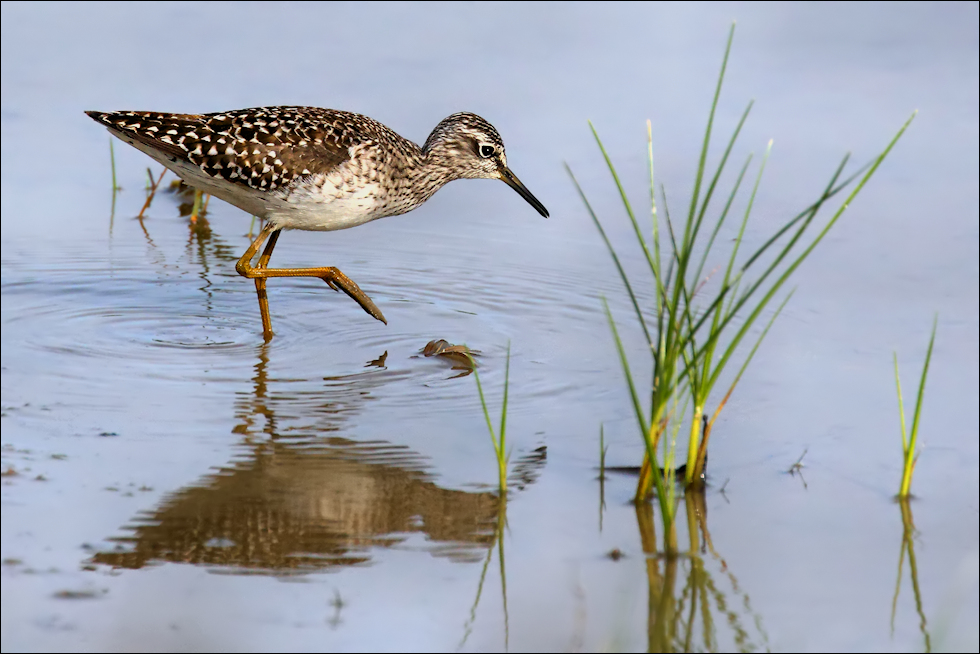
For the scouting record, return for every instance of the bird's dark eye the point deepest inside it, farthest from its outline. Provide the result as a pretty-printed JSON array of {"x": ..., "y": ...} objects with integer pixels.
[{"x": 486, "y": 151}]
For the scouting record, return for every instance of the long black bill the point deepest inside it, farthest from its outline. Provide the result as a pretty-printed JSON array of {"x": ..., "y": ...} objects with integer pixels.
[{"x": 510, "y": 179}]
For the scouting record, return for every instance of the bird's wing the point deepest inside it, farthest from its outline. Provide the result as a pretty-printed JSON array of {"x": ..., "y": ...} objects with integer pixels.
[{"x": 264, "y": 149}]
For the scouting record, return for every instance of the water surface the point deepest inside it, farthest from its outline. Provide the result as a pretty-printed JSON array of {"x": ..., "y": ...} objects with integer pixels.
[{"x": 169, "y": 480}]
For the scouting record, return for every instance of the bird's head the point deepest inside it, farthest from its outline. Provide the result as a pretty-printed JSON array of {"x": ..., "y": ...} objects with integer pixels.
[{"x": 468, "y": 147}]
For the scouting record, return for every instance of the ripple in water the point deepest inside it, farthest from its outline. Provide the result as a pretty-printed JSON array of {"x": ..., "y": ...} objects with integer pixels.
[{"x": 179, "y": 316}]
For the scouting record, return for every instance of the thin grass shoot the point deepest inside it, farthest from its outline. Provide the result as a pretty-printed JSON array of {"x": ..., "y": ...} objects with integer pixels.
[
  {"x": 910, "y": 439},
  {"x": 498, "y": 437},
  {"x": 115, "y": 186},
  {"x": 112, "y": 163}
]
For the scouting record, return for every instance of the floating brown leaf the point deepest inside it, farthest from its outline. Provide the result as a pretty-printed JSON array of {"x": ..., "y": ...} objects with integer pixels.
[{"x": 460, "y": 355}]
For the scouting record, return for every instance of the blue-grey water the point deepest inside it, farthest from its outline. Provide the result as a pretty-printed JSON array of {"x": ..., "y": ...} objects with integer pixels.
[{"x": 169, "y": 481}]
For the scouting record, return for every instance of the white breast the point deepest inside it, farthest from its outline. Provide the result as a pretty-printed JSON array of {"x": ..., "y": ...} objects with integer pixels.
[
  {"x": 348, "y": 196},
  {"x": 338, "y": 200}
]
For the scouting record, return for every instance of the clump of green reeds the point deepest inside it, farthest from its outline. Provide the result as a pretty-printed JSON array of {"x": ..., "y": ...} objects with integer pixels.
[
  {"x": 684, "y": 330},
  {"x": 909, "y": 454},
  {"x": 499, "y": 438}
]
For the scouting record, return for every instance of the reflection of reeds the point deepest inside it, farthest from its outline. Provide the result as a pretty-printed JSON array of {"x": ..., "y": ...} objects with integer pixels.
[
  {"x": 908, "y": 545},
  {"x": 194, "y": 202},
  {"x": 197, "y": 207},
  {"x": 909, "y": 455},
  {"x": 684, "y": 336},
  {"x": 603, "y": 448},
  {"x": 499, "y": 536},
  {"x": 674, "y": 618},
  {"x": 499, "y": 440}
]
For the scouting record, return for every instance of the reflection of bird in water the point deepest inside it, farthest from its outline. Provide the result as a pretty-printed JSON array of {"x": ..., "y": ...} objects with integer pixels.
[
  {"x": 305, "y": 506},
  {"x": 313, "y": 504},
  {"x": 313, "y": 169},
  {"x": 301, "y": 498}
]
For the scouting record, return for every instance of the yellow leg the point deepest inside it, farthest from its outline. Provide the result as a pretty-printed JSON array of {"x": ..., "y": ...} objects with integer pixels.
[
  {"x": 260, "y": 273},
  {"x": 260, "y": 286}
]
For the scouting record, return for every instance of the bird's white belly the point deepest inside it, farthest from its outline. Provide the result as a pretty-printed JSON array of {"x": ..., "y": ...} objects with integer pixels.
[
  {"x": 326, "y": 203},
  {"x": 346, "y": 197}
]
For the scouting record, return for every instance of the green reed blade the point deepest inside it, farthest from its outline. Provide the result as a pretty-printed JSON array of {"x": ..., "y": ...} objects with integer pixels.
[
  {"x": 624, "y": 361},
  {"x": 901, "y": 410},
  {"x": 922, "y": 387},
  {"x": 807, "y": 216},
  {"x": 645, "y": 428},
  {"x": 497, "y": 443},
  {"x": 625, "y": 199},
  {"x": 697, "y": 469},
  {"x": 709, "y": 353},
  {"x": 653, "y": 260},
  {"x": 707, "y": 134},
  {"x": 910, "y": 455},
  {"x": 738, "y": 238},
  {"x": 612, "y": 252},
  {"x": 483, "y": 402},
  {"x": 112, "y": 162},
  {"x": 714, "y": 181},
  {"x": 721, "y": 220},
  {"x": 672, "y": 303},
  {"x": 653, "y": 205},
  {"x": 503, "y": 412},
  {"x": 813, "y": 244},
  {"x": 758, "y": 341},
  {"x": 692, "y": 225}
]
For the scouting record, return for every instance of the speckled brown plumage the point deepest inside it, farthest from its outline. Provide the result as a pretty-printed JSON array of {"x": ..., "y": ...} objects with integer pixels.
[
  {"x": 313, "y": 169},
  {"x": 264, "y": 148}
]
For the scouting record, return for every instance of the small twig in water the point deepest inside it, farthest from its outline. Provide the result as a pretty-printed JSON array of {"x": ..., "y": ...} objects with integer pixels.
[
  {"x": 724, "y": 486},
  {"x": 798, "y": 466},
  {"x": 152, "y": 191},
  {"x": 797, "y": 469}
]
